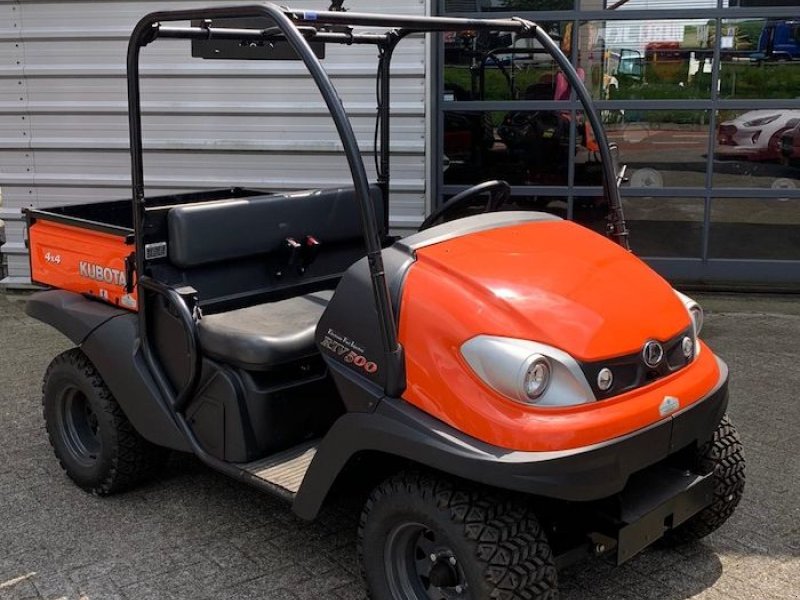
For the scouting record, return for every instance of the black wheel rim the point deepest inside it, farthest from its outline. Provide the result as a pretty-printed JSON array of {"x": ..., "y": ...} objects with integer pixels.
[
  {"x": 79, "y": 426},
  {"x": 421, "y": 565}
]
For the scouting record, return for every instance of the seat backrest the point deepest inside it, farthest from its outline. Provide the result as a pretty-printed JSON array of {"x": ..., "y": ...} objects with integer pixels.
[
  {"x": 212, "y": 232},
  {"x": 238, "y": 252}
]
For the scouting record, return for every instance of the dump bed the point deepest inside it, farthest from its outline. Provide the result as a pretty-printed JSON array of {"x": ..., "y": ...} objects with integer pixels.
[{"x": 89, "y": 248}]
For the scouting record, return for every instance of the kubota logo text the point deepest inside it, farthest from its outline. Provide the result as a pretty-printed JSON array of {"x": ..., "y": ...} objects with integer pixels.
[{"x": 101, "y": 273}]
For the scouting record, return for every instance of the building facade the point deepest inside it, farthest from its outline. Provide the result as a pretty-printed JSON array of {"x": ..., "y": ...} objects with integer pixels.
[
  {"x": 701, "y": 97},
  {"x": 207, "y": 124}
]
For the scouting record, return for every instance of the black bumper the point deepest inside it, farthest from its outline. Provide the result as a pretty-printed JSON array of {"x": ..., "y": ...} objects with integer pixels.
[
  {"x": 583, "y": 474},
  {"x": 604, "y": 469}
]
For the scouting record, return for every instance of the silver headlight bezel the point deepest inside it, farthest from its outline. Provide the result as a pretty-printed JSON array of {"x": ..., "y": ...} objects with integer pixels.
[
  {"x": 695, "y": 311},
  {"x": 502, "y": 363}
]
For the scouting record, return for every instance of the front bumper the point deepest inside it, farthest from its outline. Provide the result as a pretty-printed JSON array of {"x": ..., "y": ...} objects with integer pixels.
[
  {"x": 584, "y": 474},
  {"x": 579, "y": 474},
  {"x": 602, "y": 470},
  {"x": 655, "y": 501}
]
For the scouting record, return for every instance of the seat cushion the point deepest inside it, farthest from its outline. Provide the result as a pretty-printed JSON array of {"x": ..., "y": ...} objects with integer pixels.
[{"x": 260, "y": 337}]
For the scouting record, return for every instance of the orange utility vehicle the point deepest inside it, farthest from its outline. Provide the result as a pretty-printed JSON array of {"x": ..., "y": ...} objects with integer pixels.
[{"x": 510, "y": 390}]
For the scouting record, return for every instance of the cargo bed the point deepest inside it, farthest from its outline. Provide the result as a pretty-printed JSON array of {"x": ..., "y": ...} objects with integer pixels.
[{"x": 89, "y": 248}]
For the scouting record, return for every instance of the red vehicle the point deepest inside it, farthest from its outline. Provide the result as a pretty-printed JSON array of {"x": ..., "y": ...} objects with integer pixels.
[
  {"x": 790, "y": 144},
  {"x": 510, "y": 391}
]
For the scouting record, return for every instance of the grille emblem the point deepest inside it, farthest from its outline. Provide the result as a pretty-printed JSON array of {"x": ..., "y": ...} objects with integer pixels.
[
  {"x": 653, "y": 354},
  {"x": 669, "y": 405}
]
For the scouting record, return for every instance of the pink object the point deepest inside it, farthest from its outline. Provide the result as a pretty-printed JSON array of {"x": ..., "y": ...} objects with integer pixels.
[{"x": 562, "y": 86}]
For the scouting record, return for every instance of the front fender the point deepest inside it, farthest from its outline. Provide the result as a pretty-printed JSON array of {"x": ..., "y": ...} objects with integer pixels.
[{"x": 580, "y": 474}]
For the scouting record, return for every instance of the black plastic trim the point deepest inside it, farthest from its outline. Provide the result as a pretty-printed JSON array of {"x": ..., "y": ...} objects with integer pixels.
[
  {"x": 34, "y": 215},
  {"x": 108, "y": 336},
  {"x": 72, "y": 314},
  {"x": 115, "y": 351},
  {"x": 581, "y": 474},
  {"x": 631, "y": 372}
]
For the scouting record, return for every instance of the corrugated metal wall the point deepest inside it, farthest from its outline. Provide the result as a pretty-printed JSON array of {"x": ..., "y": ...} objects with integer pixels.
[{"x": 63, "y": 113}]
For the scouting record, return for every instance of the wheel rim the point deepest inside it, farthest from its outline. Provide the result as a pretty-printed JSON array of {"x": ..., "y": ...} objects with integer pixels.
[
  {"x": 420, "y": 564},
  {"x": 80, "y": 427}
]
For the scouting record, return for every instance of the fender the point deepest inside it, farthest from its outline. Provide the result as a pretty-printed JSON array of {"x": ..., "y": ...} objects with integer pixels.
[
  {"x": 109, "y": 336},
  {"x": 580, "y": 474},
  {"x": 72, "y": 314}
]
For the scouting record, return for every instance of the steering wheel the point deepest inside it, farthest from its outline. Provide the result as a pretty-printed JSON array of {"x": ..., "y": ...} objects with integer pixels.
[{"x": 499, "y": 192}]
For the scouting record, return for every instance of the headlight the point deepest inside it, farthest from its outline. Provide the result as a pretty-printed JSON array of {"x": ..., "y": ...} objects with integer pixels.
[
  {"x": 762, "y": 121},
  {"x": 537, "y": 377},
  {"x": 527, "y": 372}
]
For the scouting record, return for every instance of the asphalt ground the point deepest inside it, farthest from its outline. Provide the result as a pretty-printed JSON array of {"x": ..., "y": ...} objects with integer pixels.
[{"x": 194, "y": 534}]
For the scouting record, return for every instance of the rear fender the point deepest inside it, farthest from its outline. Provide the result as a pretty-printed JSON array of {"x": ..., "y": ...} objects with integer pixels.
[
  {"x": 72, "y": 314},
  {"x": 110, "y": 338}
]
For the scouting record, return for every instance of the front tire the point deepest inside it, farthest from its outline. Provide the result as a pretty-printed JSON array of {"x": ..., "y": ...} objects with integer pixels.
[
  {"x": 723, "y": 456},
  {"x": 422, "y": 537},
  {"x": 94, "y": 442}
]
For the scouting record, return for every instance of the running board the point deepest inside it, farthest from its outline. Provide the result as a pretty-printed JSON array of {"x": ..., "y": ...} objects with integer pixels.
[{"x": 284, "y": 470}]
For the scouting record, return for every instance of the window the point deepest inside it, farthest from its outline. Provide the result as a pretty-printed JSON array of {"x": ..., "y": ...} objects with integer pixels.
[{"x": 704, "y": 110}]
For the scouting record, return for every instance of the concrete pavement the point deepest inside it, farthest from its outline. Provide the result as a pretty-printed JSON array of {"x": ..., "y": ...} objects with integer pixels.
[{"x": 194, "y": 534}]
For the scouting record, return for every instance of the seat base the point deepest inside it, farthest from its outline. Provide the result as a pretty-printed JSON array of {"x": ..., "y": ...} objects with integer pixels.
[{"x": 259, "y": 338}]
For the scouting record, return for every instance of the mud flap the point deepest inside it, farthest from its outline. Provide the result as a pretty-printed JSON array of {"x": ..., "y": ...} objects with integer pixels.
[{"x": 654, "y": 502}]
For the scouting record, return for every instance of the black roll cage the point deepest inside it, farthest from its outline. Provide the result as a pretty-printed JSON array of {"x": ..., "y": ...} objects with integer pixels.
[{"x": 297, "y": 28}]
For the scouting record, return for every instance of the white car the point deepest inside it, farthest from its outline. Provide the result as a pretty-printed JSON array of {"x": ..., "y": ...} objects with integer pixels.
[{"x": 755, "y": 135}]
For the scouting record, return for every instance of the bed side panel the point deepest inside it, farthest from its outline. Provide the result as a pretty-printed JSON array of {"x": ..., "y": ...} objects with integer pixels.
[{"x": 80, "y": 260}]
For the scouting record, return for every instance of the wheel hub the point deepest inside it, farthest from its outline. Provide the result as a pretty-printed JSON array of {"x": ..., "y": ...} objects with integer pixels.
[
  {"x": 420, "y": 565},
  {"x": 79, "y": 426},
  {"x": 443, "y": 574}
]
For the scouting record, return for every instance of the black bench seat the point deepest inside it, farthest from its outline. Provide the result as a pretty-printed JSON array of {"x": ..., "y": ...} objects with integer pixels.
[{"x": 266, "y": 335}]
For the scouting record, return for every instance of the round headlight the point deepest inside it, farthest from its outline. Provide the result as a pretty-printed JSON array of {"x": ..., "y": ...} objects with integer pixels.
[
  {"x": 537, "y": 378},
  {"x": 605, "y": 379},
  {"x": 687, "y": 345}
]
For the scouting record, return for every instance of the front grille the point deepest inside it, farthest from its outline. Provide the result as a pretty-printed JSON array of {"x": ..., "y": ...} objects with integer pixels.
[{"x": 631, "y": 372}]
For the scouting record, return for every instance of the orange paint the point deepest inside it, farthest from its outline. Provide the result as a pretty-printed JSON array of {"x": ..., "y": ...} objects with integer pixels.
[
  {"x": 80, "y": 260},
  {"x": 550, "y": 282}
]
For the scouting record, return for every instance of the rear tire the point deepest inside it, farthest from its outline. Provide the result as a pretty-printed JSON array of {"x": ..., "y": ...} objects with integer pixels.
[
  {"x": 723, "y": 456},
  {"x": 92, "y": 438},
  {"x": 423, "y": 537}
]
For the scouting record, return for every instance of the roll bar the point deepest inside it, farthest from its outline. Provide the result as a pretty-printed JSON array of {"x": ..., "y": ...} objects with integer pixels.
[{"x": 297, "y": 28}]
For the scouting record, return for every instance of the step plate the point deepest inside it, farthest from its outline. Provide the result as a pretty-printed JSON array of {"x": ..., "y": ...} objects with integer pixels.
[{"x": 286, "y": 469}]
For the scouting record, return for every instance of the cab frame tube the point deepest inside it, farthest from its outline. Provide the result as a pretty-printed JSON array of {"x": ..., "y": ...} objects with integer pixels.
[{"x": 289, "y": 23}]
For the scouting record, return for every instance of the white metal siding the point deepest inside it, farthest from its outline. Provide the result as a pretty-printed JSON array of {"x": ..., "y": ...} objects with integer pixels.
[{"x": 63, "y": 113}]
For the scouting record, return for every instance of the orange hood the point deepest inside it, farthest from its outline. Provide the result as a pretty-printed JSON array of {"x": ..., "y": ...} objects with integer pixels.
[{"x": 553, "y": 282}]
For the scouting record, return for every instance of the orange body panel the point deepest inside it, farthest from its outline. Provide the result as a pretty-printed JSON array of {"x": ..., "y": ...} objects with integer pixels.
[
  {"x": 551, "y": 282},
  {"x": 80, "y": 260}
]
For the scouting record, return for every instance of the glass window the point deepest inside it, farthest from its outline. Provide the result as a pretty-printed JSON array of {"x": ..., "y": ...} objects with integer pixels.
[
  {"x": 757, "y": 3},
  {"x": 662, "y": 148},
  {"x": 757, "y": 148},
  {"x": 620, "y": 5},
  {"x": 646, "y": 60},
  {"x": 665, "y": 227},
  {"x": 525, "y": 147},
  {"x": 755, "y": 228},
  {"x": 482, "y": 65},
  {"x": 758, "y": 58},
  {"x": 506, "y": 5}
]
